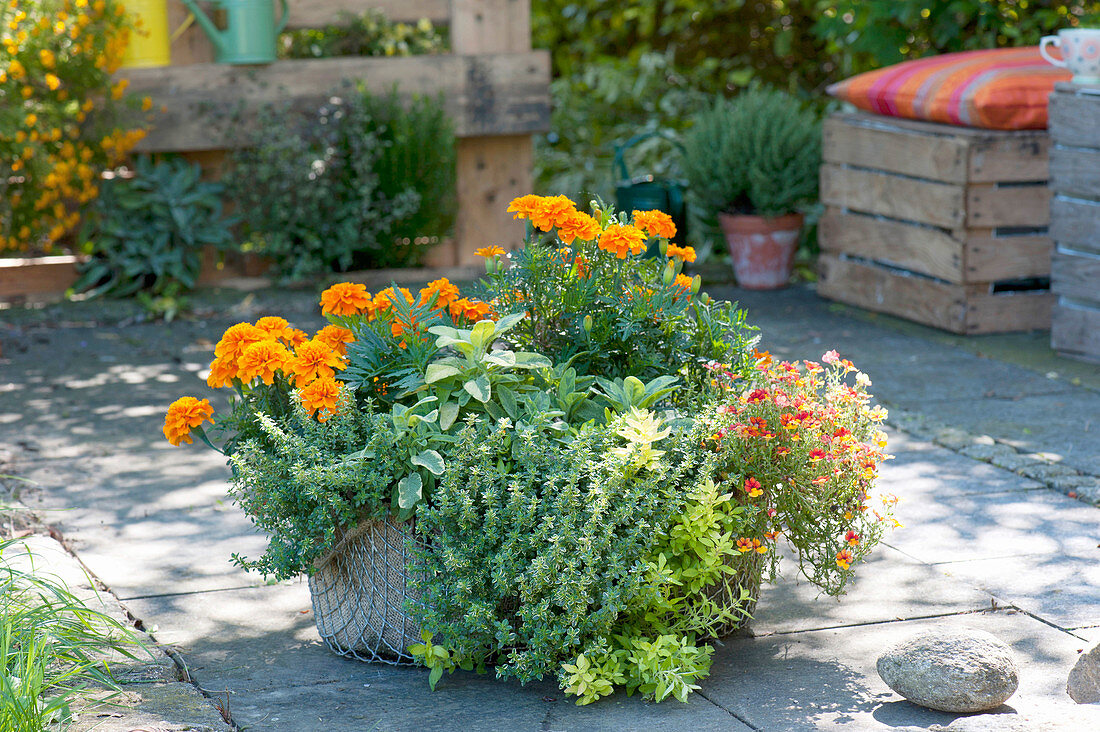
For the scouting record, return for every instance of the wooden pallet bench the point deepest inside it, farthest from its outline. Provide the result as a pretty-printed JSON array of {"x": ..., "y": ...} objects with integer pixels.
[
  {"x": 943, "y": 225},
  {"x": 1075, "y": 220}
]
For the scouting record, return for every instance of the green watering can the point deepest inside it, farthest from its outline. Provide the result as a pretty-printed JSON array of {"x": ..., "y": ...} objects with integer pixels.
[
  {"x": 646, "y": 193},
  {"x": 250, "y": 30}
]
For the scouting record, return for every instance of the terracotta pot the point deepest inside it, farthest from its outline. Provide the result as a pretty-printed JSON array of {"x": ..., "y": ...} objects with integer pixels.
[{"x": 762, "y": 248}]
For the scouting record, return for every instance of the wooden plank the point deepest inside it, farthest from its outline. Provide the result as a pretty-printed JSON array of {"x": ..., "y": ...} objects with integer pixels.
[
  {"x": 956, "y": 308},
  {"x": 1076, "y": 275},
  {"x": 921, "y": 249},
  {"x": 490, "y": 26},
  {"x": 893, "y": 196},
  {"x": 1072, "y": 118},
  {"x": 1009, "y": 312},
  {"x": 1009, "y": 157},
  {"x": 868, "y": 143},
  {"x": 1075, "y": 331},
  {"x": 990, "y": 205},
  {"x": 988, "y": 257},
  {"x": 37, "y": 277},
  {"x": 1075, "y": 222},
  {"x": 319, "y": 13},
  {"x": 484, "y": 95},
  {"x": 1075, "y": 171},
  {"x": 927, "y": 301},
  {"x": 492, "y": 171},
  {"x": 193, "y": 46}
]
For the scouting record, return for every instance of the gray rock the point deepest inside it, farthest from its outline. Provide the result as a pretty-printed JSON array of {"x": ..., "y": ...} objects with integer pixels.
[
  {"x": 1084, "y": 679},
  {"x": 951, "y": 670}
]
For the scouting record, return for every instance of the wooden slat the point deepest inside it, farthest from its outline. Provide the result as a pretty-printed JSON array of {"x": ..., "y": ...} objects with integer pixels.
[
  {"x": 989, "y": 205},
  {"x": 910, "y": 199},
  {"x": 38, "y": 277},
  {"x": 319, "y": 13},
  {"x": 1075, "y": 331},
  {"x": 956, "y": 308},
  {"x": 1076, "y": 275},
  {"x": 988, "y": 258},
  {"x": 1075, "y": 222},
  {"x": 1075, "y": 172},
  {"x": 493, "y": 94},
  {"x": 921, "y": 249},
  {"x": 490, "y": 171},
  {"x": 926, "y": 301},
  {"x": 1009, "y": 157},
  {"x": 867, "y": 142},
  {"x": 1072, "y": 117}
]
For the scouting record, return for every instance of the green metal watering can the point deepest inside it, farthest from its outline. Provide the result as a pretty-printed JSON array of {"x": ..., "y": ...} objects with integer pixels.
[
  {"x": 250, "y": 30},
  {"x": 647, "y": 193}
]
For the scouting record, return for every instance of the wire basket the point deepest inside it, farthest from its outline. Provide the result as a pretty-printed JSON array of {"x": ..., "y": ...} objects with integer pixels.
[
  {"x": 359, "y": 592},
  {"x": 727, "y": 593}
]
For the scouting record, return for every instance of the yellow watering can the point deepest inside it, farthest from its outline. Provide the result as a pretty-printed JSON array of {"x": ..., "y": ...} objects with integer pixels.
[{"x": 149, "y": 41}]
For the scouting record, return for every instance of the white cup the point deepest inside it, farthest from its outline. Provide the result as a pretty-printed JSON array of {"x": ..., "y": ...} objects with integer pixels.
[{"x": 1080, "y": 53}]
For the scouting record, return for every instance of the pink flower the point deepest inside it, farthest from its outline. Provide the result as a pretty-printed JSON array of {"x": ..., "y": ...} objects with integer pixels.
[{"x": 830, "y": 357}]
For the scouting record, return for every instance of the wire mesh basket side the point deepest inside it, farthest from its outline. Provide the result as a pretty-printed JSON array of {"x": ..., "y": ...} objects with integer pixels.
[{"x": 359, "y": 593}]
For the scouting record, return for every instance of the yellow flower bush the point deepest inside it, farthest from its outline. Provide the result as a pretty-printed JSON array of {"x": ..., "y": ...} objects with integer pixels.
[{"x": 59, "y": 127}]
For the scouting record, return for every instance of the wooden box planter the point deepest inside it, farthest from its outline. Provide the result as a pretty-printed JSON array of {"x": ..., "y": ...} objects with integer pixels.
[
  {"x": 939, "y": 224},
  {"x": 1075, "y": 220}
]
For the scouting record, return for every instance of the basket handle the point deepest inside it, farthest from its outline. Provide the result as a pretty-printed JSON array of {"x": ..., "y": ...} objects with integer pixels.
[{"x": 620, "y": 161}]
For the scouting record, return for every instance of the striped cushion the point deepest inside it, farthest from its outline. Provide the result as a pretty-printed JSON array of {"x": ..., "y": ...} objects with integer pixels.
[{"x": 998, "y": 89}]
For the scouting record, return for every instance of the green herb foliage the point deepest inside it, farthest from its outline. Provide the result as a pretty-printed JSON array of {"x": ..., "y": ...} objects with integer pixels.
[
  {"x": 304, "y": 481},
  {"x": 362, "y": 181},
  {"x": 535, "y": 549},
  {"x": 146, "y": 232},
  {"x": 759, "y": 153},
  {"x": 369, "y": 34}
]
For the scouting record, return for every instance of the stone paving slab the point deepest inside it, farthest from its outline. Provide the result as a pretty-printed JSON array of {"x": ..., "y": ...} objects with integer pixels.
[
  {"x": 889, "y": 586},
  {"x": 827, "y": 679}
]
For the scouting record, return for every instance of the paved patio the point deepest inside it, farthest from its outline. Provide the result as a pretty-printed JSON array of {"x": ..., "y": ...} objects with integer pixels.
[{"x": 1000, "y": 548}]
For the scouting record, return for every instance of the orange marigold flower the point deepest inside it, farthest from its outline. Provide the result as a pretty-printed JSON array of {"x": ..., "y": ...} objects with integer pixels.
[
  {"x": 489, "y": 252},
  {"x": 275, "y": 327},
  {"x": 578, "y": 226},
  {"x": 447, "y": 292},
  {"x": 685, "y": 253},
  {"x": 236, "y": 339},
  {"x": 222, "y": 372},
  {"x": 345, "y": 298},
  {"x": 683, "y": 281},
  {"x": 383, "y": 299},
  {"x": 321, "y": 397},
  {"x": 184, "y": 415},
  {"x": 622, "y": 240},
  {"x": 314, "y": 359},
  {"x": 524, "y": 207},
  {"x": 335, "y": 338},
  {"x": 655, "y": 223},
  {"x": 844, "y": 559},
  {"x": 744, "y": 545},
  {"x": 471, "y": 310},
  {"x": 295, "y": 337},
  {"x": 552, "y": 211},
  {"x": 753, "y": 488},
  {"x": 262, "y": 360}
]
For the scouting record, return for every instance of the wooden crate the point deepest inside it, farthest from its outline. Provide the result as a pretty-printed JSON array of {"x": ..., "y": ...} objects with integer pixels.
[
  {"x": 939, "y": 224},
  {"x": 1075, "y": 220}
]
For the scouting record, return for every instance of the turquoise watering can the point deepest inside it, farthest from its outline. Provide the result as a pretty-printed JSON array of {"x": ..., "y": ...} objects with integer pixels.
[{"x": 250, "y": 30}]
